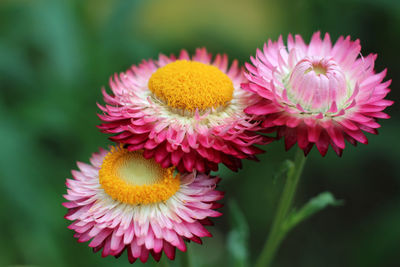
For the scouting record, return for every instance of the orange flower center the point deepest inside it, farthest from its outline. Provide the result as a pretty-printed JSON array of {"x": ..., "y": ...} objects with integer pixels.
[
  {"x": 128, "y": 177},
  {"x": 191, "y": 85}
]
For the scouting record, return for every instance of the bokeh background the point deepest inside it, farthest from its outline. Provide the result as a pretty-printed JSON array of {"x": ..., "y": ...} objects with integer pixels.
[{"x": 56, "y": 55}]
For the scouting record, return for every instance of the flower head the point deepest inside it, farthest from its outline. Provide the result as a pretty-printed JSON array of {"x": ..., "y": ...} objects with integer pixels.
[
  {"x": 122, "y": 201},
  {"x": 318, "y": 93},
  {"x": 184, "y": 112}
]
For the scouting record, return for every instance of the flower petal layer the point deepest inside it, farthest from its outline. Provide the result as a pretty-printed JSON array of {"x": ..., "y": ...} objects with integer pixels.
[
  {"x": 198, "y": 140},
  {"x": 141, "y": 230},
  {"x": 317, "y": 94}
]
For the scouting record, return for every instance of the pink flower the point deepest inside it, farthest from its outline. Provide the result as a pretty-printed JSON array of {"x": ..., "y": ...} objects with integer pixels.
[
  {"x": 122, "y": 201},
  {"x": 184, "y": 112},
  {"x": 318, "y": 93}
]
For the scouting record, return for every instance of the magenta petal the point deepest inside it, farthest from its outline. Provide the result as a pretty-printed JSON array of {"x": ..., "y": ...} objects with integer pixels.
[
  {"x": 336, "y": 136},
  {"x": 323, "y": 144},
  {"x": 262, "y": 108},
  {"x": 169, "y": 250}
]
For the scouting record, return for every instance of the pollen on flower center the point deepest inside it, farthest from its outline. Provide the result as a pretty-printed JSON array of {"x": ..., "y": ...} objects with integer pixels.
[
  {"x": 128, "y": 177},
  {"x": 318, "y": 68},
  {"x": 191, "y": 85}
]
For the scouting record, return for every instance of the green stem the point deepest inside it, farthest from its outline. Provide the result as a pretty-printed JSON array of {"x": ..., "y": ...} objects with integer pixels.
[
  {"x": 276, "y": 234},
  {"x": 187, "y": 259},
  {"x": 164, "y": 262}
]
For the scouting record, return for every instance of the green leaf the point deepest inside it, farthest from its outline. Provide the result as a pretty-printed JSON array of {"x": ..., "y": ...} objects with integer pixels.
[
  {"x": 238, "y": 236},
  {"x": 283, "y": 169},
  {"x": 313, "y": 206}
]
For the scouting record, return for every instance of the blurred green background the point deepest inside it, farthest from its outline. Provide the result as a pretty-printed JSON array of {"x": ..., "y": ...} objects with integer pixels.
[{"x": 56, "y": 55}]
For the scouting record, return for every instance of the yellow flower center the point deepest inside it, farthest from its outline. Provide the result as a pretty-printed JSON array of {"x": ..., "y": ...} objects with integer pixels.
[
  {"x": 128, "y": 177},
  {"x": 318, "y": 68},
  {"x": 191, "y": 85}
]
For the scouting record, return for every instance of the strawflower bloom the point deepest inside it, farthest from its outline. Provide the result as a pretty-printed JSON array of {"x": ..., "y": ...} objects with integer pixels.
[
  {"x": 122, "y": 201},
  {"x": 318, "y": 93},
  {"x": 184, "y": 112}
]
